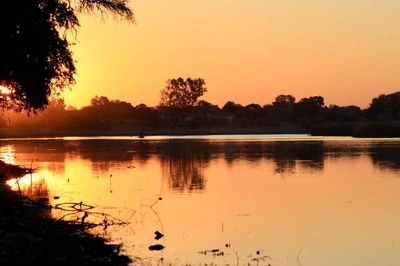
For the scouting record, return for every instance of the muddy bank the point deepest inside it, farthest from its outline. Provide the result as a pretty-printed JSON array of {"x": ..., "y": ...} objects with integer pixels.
[{"x": 29, "y": 236}]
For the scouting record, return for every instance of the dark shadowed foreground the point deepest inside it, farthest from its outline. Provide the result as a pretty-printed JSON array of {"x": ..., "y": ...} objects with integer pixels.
[{"x": 28, "y": 236}]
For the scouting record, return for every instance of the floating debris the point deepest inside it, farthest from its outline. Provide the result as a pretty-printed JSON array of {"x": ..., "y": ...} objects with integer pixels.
[
  {"x": 158, "y": 235},
  {"x": 156, "y": 247},
  {"x": 73, "y": 206},
  {"x": 214, "y": 252}
]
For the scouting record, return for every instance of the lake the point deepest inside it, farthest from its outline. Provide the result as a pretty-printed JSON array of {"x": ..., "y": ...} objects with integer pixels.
[{"x": 224, "y": 200}]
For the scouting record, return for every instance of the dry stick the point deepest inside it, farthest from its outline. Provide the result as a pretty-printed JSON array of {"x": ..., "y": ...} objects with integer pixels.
[
  {"x": 31, "y": 170},
  {"x": 298, "y": 255},
  {"x": 261, "y": 258},
  {"x": 151, "y": 206},
  {"x": 110, "y": 184},
  {"x": 19, "y": 178},
  {"x": 237, "y": 257},
  {"x": 73, "y": 210},
  {"x": 115, "y": 221},
  {"x": 123, "y": 222},
  {"x": 31, "y": 176},
  {"x": 19, "y": 188}
]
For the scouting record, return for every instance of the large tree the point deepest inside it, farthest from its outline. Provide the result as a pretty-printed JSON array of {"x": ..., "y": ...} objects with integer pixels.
[
  {"x": 181, "y": 95},
  {"x": 35, "y": 57},
  {"x": 284, "y": 101},
  {"x": 283, "y": 106},
  {"x": 309, "y": 106},
  {"x": 384, "y": 104}
]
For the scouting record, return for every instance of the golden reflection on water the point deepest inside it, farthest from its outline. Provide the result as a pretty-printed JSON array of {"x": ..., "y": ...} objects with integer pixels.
[
  {"x": 7, "y": 154},
  {"x": 286, "y": 203}
]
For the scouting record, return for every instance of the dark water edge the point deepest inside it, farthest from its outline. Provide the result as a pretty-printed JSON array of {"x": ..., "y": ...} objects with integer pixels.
[
  {"x": 29, "y": 236},
  {"x": 378, "y": 129},
  {"x": 123, "y": 130}
]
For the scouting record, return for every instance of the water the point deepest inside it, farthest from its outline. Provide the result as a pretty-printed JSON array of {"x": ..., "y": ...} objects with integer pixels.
[{"x": 225, "y": 200}]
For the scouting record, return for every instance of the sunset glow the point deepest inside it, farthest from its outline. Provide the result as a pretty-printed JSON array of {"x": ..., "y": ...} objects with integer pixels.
[
  {"x": 246, "y": 51},
  {"x": 4, "y": 91},
  {"x": 5, "y": 94}
]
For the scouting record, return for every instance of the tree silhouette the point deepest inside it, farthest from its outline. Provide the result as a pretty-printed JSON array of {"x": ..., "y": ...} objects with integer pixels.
[
  {"x": 284, "y": 105},
  {"x": 181, "y": 95},
  {"x": 385, "y": 104},
  {"x": 309, "y": 106},
  {"x": 284, "y": 101},
  {"x": 35, "y": 57},
  {"x": 232, "y": 107}
]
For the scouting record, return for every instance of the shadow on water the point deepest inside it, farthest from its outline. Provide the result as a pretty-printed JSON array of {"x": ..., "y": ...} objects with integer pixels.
[
  {"x": 386, "y": 156},
  {"x": 184, "y": 160},
  {"x": 183, "y": 164}
]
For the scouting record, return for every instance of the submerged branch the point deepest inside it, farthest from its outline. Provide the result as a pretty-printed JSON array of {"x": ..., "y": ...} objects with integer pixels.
[{"x": 80, "y": 209}]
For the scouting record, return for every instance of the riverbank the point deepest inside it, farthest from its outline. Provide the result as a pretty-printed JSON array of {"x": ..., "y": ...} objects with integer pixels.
[
  {"x": 29, "y": 236},
  {"x": 126, "y": 129},
  {"x": 375, "y": 129}
]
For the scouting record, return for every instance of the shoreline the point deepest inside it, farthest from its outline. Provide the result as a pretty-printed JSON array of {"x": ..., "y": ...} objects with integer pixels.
[
  {"x": 30, "y": 236},
  {"x": 34, "y": 237},
  {"x": 148, "y": 131}
]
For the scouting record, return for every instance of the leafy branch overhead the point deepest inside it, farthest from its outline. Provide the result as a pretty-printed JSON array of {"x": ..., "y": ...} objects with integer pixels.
[{"x": 35, "y": 57}]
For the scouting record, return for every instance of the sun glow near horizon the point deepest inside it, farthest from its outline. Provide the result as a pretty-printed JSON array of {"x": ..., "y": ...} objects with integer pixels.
[
  {"x": 246, "y": 51},
  {"x": 4, "y": 90},
  {"x": 5, "y": 93}
]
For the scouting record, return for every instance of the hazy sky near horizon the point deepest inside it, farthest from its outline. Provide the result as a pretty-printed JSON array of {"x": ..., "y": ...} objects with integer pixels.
[{"x": 247, "y": 51}]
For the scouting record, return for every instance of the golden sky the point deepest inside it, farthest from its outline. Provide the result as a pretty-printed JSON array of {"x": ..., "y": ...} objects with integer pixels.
[{"x": 247, "y": 51}]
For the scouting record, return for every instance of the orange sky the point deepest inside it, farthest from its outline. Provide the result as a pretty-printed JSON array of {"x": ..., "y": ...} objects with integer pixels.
[{"x": 247, "y": 51}]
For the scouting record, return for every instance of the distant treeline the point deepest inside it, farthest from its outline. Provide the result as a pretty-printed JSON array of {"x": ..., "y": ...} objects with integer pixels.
[{"x": 311, "y": 113}]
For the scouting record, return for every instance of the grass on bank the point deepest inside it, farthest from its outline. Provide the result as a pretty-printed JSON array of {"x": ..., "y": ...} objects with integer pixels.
[
  {"x": 29, "y": 236},
  {"x": 380, "y": 129}
]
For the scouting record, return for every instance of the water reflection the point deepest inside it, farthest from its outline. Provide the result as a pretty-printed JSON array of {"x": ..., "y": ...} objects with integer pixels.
[
  {"x": 33, "y": 186},
  {"x": 183, "y": 160},
  {"x": 227, "y": 195},
  {"x": 183, "y": 164},
  {"x": 385, "y": 156},
  {"x": 7, "y": 154}
]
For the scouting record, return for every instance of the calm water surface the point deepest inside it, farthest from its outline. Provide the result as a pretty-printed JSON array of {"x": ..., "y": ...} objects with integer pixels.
[{"x": 226, "y": 200}]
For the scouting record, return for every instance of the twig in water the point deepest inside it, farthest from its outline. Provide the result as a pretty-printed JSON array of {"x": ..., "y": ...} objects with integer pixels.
[
  {"x": 110, "y": 184},
  {"x": 237, "y": 257},
  {"x": 298, "y": 255}
]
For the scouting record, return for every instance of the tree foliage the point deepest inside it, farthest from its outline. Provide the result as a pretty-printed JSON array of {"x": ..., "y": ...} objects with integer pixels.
[
  {"x": 232, "y": 107},
  {"x": 385, "y": 104},
  {"x": 284, "y": 101},
  {"x": 105, "y": 114},
  {"x": 309, "y": 106},
  {"x": 182, "y": 94},
  {"x": 284, "y": 105},
  {"x": 35, "y": 57}
]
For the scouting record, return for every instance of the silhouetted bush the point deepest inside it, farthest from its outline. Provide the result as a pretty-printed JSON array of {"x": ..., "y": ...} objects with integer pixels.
[
  {"x": 382, "y": 129},
  {"x": 333, "y": 129}
]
